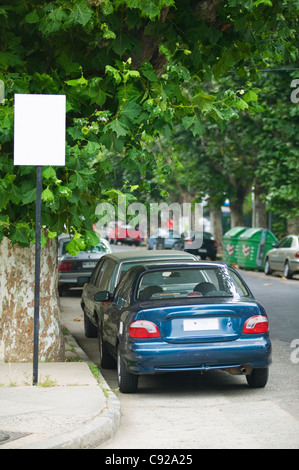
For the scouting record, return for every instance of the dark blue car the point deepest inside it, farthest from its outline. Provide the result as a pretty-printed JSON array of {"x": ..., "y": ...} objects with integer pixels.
[{"x": 194, "y": 316}]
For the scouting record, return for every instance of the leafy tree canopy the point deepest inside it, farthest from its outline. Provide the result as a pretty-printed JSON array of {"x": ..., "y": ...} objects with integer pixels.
[{"x": 130, "y": 70}]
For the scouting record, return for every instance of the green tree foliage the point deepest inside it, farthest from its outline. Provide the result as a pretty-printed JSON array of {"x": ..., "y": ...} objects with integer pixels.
[
  {"x": 126, "y": 67},
  {"x": 255, "y": 147},
  {"x": 275, "y": 142}
]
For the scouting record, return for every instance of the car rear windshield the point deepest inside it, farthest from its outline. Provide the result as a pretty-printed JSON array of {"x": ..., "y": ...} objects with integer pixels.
[{"x": 191, "y": 282}]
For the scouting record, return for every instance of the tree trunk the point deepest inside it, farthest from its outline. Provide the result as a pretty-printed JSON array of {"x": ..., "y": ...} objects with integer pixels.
[
  {"x": 293, "y": 226},
  {"x": 17, "y": 299},
  {"x": 259, "y": 218},
  {"x": 236, "y": 214},
  {"x": 216, "y": 225}
]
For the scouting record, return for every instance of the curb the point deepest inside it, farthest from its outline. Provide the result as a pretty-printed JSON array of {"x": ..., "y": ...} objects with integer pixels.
[{"x": 97, "y": 430}]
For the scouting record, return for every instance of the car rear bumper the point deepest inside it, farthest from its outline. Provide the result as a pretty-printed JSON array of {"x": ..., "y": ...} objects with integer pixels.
[
  {"x": 158, "y": 356},
  {"x": 71, "y": 279}
]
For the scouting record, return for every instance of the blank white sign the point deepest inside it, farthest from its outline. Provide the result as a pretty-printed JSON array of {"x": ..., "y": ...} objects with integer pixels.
[{"x": 39, "y": 130}]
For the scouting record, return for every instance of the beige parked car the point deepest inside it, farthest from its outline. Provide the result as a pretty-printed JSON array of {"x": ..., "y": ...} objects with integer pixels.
[{"x": 284, "y": 257}]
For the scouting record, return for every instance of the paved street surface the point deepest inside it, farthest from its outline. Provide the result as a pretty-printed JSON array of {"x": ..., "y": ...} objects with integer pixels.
[{"x": 214, "y": 410}]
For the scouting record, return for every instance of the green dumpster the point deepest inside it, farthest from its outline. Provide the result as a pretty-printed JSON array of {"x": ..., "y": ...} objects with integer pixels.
[
  {"x": 230, "y": 244},
  {"x": 253, "y": 244}
]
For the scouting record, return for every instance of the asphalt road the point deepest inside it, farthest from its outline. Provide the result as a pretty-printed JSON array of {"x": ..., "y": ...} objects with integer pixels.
[{"x": 214, "y": 410}]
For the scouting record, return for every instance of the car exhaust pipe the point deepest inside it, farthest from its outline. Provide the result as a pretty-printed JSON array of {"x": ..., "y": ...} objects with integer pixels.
[{"x": 242, "y": 370}]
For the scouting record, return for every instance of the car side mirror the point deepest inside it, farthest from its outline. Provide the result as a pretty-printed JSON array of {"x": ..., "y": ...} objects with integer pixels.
[{"x": 102, "y": 296}]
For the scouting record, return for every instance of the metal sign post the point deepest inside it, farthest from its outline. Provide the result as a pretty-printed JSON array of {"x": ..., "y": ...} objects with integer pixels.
[
  {"x": 39, "y": 140},
  {"x": 37, "y": 272}
]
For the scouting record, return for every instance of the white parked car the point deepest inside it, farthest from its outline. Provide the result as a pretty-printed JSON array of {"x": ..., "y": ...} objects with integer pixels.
[{"x": 284, "y": 257}]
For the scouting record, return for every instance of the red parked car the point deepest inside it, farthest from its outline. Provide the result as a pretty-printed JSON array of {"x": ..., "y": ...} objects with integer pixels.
[{"x": 120, "y": 232}]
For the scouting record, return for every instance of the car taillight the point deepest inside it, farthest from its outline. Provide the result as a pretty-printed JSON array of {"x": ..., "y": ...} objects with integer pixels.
[
  {"x": 143, "y": 329},
  {"x": 65, "y": 266},
  {"x": 257, "y": 324},
  {"x": 297, "y": 254}
]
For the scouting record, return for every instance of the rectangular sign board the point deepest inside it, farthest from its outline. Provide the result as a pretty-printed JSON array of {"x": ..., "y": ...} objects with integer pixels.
[{"x": 39, "y": 130}]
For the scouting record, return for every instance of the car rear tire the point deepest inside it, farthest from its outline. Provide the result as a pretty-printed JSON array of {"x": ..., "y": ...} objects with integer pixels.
[
  {"x": 258, "y": 378},
  {"x": 106, "y": 360},
  {"x": 127, "y": 382},
  {"x": 90, "y": 330},
  {"x": 287, "y": 271}
]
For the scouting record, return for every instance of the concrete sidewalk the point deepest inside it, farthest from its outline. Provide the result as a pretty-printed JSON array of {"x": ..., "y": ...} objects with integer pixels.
[{"x": 68, "y": 409}]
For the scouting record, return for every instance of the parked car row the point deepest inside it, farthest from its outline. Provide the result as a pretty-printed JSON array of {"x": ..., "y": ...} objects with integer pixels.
[
  {"x": 118, "y": 232},
  {"x": 165, "y": 311},
  {"x": 171, "y": 239},
  {"x": 284, "y": 257}
]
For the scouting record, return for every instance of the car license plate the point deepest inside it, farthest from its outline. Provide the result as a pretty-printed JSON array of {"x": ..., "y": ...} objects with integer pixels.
[
  {"x": 89, "y": 264},
  {"x": 201, "y": 324}
]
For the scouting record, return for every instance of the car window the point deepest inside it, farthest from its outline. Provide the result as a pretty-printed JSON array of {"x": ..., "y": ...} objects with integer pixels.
[
  {"x": 64, "y": 250},
  {"x": 95, "y": 272},
  {"x": 104, "y": 275},
  {"x": 100, "y": 248},
  {"x": 288, "y": 243},
  {"x": 127, "y": 265},
  {"x": 123, "y": 292},
  {"x": 239, "y": 285},
  {"x": 195, "y": 282},
  {"x": 281, "y": 243},
  {"x": 285, "y": 243}
]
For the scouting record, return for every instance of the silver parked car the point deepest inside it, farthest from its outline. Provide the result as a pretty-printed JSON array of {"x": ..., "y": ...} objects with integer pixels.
[
  {"x": 284, "y": 257},
  {"x": 71, "y": 267}
]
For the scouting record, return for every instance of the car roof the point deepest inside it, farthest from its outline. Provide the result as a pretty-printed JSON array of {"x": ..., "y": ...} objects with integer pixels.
[{"x": 146, "y": 256}]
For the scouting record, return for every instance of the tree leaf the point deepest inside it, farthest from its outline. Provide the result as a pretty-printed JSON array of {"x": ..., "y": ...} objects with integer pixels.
[
  {"x": 150, "y": 9},
  {"x": 64, "y": 191},
  {"x": 81, "y": 13},
  {"x": 240, "y": 104},
  {"x": 75, "y": 245},
  {"x": 32, "y": 17},
  {"x": 91, "y": 239},
  {"x": 118, "y": 127},
  {"x": 49, "y": 173},
  {"x": 265, "y": 2},
  {"x": 203, "y": 101},
  {"x": 121, "y": 43},
  {"x": 250, "y": 95},
  {"x": 29, "y": 196},
  {"x": 47, "y": 195},
  {"x": 131, "y": 111}
]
